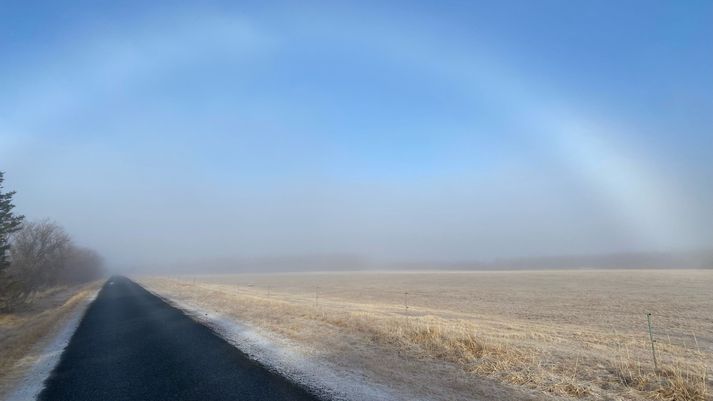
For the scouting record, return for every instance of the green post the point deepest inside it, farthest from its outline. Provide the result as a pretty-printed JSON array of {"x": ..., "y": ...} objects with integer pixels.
[{"x": 651, "y": 336}]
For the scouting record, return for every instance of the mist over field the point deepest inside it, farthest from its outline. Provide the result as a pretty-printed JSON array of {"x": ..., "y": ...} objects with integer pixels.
[
  {"x": 226, "y": 137},
  {"x": 356, "y": 200}
]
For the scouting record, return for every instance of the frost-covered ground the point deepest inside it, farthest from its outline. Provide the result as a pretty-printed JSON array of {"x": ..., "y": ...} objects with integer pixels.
[
  {"x": 25, "y": 378},
  {"x": 466, "y": 336},
  {"x": 328, "y": 357},
  {"x": 292, "y": 360}
]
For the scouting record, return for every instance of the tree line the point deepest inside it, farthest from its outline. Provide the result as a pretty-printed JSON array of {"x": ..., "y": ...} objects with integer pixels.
[{"x": 38, "y": 255}]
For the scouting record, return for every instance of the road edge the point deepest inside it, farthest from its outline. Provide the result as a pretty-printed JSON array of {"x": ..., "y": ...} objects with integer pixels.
[
  {"x": 29, "y": 386},
  {"x": 318, "y": 378}
]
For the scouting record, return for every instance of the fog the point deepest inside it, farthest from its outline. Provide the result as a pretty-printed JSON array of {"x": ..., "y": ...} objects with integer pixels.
[{"x": 249, "y": 137}]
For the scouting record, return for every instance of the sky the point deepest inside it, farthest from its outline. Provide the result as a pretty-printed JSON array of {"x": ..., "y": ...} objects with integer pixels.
[{"x": 166, "y": 132}]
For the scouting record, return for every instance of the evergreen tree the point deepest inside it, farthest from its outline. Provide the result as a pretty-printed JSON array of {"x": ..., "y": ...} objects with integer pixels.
[{"x": 9, "y": 223}]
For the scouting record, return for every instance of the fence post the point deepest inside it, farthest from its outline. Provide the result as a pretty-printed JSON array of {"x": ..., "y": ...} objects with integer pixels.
[
  {"x": 651, "y": 336},
  {"x": 406, "y": 302}
]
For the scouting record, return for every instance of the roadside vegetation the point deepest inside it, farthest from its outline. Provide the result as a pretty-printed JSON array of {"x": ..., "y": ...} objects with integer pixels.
[
  {"x": 44, "y": 277},
  {"x": 37, "y": 257},
  {"x": 24, "y": 333},
  {"x": 43, "y": 257},
  {"x": 567, "y": 334}
]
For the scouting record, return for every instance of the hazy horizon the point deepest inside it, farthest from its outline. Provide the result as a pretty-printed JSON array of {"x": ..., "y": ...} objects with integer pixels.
[{"x": 380, "y": 134}]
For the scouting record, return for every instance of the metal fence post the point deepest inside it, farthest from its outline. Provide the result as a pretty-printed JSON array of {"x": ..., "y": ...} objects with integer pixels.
[{"x": 651, "y": 336}]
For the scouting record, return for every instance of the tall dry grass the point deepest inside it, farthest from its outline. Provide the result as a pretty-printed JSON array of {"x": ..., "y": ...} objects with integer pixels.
[
  {"x": 571, "y": 361},
  {"x": 23, "y": 331}
]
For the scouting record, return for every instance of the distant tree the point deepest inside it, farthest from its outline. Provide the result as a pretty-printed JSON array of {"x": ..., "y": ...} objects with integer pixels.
[
  {"x": 39, "y": 254},
  {"x": 82, "y": 265},
  {"x": 9, "y": 223}
]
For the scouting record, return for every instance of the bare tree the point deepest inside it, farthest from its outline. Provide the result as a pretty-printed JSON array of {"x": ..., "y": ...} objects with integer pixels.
[
  {"x": 42, "y": 256},
  {"x": 82, "y": 265},
  {"x": 39, "y": 253},
  {"x": 37, "y": 256}
]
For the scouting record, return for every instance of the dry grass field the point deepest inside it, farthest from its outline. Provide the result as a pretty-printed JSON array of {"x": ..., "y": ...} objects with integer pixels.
[
  {"x": 486, "y": 335},
  {"x": 22, "y": 333}
]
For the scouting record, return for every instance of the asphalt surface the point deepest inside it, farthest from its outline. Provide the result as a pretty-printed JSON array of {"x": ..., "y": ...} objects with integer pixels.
[{"x": 131, "y": 345}]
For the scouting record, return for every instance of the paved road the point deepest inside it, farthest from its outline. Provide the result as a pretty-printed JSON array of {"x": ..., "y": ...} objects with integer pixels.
[{"x": 133, "y": 346}]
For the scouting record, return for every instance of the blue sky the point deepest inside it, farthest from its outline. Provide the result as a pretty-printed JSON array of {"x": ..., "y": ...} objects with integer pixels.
[{"x": 396, "y": 131}]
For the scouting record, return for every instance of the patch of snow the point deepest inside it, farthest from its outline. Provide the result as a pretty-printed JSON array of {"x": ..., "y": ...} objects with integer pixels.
[
  {"x": 32, "y": 383},
  {"x": 291, "y": 360}
]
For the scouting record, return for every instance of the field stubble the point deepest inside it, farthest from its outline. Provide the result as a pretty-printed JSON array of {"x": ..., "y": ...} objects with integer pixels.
[{"x": 571, "y": 334}]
